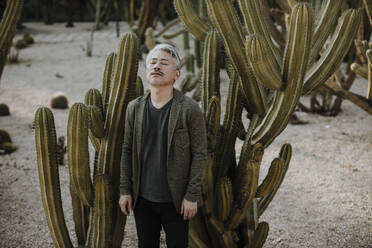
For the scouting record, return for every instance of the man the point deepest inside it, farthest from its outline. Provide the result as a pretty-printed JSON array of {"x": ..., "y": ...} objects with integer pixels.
[{"x": 164, "y": 153}]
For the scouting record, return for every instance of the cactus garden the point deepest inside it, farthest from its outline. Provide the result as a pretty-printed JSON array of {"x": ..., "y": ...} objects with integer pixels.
[{"x": 252, "y": 66}]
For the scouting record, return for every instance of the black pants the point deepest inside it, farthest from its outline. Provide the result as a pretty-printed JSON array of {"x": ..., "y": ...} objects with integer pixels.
[{"x": 151, "y": 216}]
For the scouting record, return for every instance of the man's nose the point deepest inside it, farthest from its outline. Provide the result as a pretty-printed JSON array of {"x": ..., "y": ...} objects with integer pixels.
[{"x": 156, "y": 66}]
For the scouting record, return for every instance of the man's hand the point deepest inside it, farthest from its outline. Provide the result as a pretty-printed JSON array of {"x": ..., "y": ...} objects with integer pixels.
[
  {"x": 188, "y": 209},
  {"x": 125, "y": 203}
]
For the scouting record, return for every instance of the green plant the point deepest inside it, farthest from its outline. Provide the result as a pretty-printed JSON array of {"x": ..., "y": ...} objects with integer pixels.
[
  {"x": 98, "y": 219},
  {"x": 267, "y": 84},
  {"x": 7, "y": 28}
]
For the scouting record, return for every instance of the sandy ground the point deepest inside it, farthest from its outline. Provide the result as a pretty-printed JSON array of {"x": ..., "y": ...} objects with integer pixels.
[{"x": 325, "y": 199}]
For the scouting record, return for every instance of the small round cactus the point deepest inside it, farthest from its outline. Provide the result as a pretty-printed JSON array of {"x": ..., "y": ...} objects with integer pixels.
[
  {"x": 28, "y": 39},
  {"x": 4, "y": 109},
  {"x": 6, "y": 145},
  {"x": 7, "y": 148},
  {"x": 4, "y": 136},
  {"x": 59, "y": 101},
  {"x": 20, "y": 44}
]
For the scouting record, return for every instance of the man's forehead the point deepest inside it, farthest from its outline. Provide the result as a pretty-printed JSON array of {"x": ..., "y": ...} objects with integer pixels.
[{"x": 162, "y": 55}]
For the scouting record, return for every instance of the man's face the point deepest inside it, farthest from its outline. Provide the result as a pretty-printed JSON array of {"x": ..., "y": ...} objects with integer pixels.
[{"x": 161, "y": 69}]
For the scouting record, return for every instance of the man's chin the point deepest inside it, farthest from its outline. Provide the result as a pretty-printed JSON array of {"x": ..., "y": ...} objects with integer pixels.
[{"x": 158, "y": 83}]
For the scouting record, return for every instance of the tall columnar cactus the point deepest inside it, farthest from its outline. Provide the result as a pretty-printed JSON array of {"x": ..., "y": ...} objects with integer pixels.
[
  {"x": 46, "y": 148},
  {"x": 7, "y": 28},
  {"x": 268, "y": 84},
  {"x": 97, "y": 216}
]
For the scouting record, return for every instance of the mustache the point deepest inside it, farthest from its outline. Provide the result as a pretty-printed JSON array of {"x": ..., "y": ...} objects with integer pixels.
[{"x": 157, "y": 72}]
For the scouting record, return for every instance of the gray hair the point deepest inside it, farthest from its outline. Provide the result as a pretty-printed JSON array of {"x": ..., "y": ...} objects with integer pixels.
[{"x": 166, "y": 48}]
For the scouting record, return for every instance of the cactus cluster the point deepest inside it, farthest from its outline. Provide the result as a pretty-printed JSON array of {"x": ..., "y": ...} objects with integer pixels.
[
  {"x": 267, "y": 83},
  {"x": 97, "y": 216},
  {"x": 7, "y": 28}
]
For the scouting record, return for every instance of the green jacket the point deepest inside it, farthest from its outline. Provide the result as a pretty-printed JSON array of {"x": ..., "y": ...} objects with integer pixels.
[{"x": 186, "y": 156}]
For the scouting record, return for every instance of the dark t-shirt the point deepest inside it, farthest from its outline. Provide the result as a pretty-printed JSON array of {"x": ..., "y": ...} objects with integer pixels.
[{"x": 154, "y": 182}]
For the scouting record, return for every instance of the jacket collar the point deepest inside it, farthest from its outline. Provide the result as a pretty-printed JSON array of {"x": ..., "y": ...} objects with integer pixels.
[{"x": 177, "y": 96}]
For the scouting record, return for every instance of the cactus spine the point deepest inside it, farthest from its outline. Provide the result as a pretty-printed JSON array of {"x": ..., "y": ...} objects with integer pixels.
[
  {"x": 104, "y": 125},
  {"x": 7, "y": 28}
]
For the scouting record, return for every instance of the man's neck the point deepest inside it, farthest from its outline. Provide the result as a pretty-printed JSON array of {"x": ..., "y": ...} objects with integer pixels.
[{"x": 160, "y": 95}]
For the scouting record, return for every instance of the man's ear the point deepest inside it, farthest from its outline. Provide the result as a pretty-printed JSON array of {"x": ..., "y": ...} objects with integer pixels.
[{"x": 178, "y": 74}]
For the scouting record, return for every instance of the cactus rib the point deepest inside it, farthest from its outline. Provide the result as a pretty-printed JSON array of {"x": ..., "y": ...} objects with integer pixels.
[
  {"x": 101, "y": 213},
  {"x": 247, "y": 189},
  {"x": 224, "y": 196},
  {"x": 260, "y": 235},
  {"x": 195, "y": 242},
  {"x": 272, "y": 178},
  {"x": 107, "y": 80},
  {"x": 96, "y": 122},
  {"x": 339, "y": 45},
  {"x": 229, "y": 130},
  {"x": 139, "y": 86},
  {"x": 255, "y": 23},
  {"x": 325, "y": 21},
  {"x": 190, "y": 19},
  {"x": 211, "y": 69},
  {"x": 285, "y": 155},
  {"x": 78, "y": 154},
  {"x": 263, "y": 63},
  {"x": 80, "y": 215},
  {"x": 94, "y": 98},
  {"x": 213, "y": 122}
]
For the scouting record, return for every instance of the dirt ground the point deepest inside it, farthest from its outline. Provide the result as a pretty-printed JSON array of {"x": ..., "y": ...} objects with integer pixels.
[{"x": 324, "y": 201}]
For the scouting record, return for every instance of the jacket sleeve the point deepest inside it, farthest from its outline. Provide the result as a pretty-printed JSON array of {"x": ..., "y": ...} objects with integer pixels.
[
  {"x": 126, "y": 156},
  {"x": 198, "y": 143}
]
